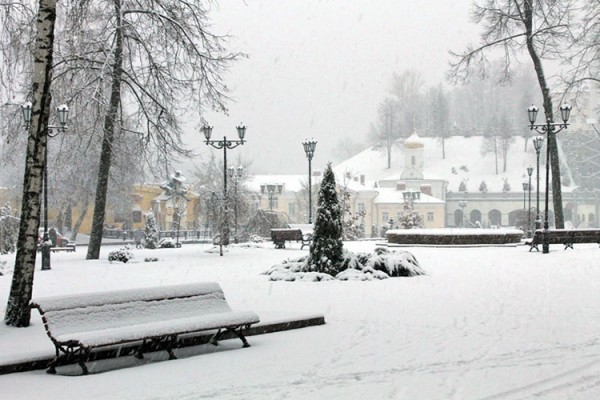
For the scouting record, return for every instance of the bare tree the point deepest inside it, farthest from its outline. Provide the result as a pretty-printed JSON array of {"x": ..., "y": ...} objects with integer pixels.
[
  {"x": 385, "y": 131},
  {"x": 583, "y": 55},
  {"x": 407, "y": 88},
  {"x": 542, "y": 28},
  {"x": 143, "y": 64}
]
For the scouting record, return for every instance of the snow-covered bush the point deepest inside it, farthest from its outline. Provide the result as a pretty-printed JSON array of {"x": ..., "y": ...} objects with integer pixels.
[
  {"x": 381, "y": 264},
  {"x": 124, "y": 254},
  {"x": 167, "y": 243}
]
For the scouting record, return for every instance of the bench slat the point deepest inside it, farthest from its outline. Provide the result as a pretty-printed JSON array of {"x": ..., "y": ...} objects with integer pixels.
[
  {"x": 123, "y": 334},
  {"x": 123, "y": 296}
]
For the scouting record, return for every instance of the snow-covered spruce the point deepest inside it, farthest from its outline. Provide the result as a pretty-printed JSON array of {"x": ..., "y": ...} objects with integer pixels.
[
  {"x": 151, "y": 232},
  {"x": 123, "y": 254},
  {"x": 355, "y": 266}
]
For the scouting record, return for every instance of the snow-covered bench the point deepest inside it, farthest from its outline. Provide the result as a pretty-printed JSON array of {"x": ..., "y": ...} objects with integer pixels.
[
  {"x": 154, "y": 317},
  {"x": 566, "y": 237},
  {"x": 280, "y": 235}
]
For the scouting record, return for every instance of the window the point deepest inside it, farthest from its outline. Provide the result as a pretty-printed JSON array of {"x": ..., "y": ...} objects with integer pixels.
[
  {"x": 430, "y": 216},
  {"x": 136, "y": 216},
  {"x": 413, "y": 160},
  {"x": 385, "y": 216},
  {"x": 292, "y": 209},
  {"x": 361, "y": 207}
]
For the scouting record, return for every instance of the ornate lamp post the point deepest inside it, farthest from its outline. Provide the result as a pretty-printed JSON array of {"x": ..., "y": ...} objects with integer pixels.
[
  {"x": 309, "y": 149},
  {"x": 235, "y": 173},
  {"x": 529, "y": 172},
  {"x": 462, "y": 204},
  {"x": 538, "y": 142},
  {"x": 549, "y": 128},
  {"x": 51, "y": 131},
  {"x": 224, "y": 144},
  {"x": 525, "y": 188}
]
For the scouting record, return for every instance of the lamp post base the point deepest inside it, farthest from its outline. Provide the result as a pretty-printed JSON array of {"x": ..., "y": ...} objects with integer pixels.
[
  {"x": 545, "y": 243},
  {"x": 45, "y": 250}
]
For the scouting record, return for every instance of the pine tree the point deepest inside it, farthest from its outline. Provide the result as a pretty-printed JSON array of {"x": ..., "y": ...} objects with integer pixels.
[
  {"x": 326, "y": 248},
  {"x": 9, "y": 230},
  {"x": 151, "y": 232},
  {"x": 410, "y": 219},
  {"x": 483, "y": 187}
]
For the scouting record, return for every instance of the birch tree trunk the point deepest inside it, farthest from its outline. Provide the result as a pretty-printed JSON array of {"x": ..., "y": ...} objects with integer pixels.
[{"x": 18, "y": 312}]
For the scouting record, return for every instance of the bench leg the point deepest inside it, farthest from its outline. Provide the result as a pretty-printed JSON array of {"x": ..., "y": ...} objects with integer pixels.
[
  {"x": 81, "y": 354},
  {"x": 238, "y": 333}
]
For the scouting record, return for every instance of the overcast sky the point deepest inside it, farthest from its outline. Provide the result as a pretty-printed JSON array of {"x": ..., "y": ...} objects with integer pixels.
[{"x": 318, "y": 69}]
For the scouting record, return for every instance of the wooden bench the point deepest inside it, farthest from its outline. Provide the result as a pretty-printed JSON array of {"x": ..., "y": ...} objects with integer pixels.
[
  {"x": 281, "y": 235},
  {"x": 68, "y": 248},
  {"x": 152, "y": 319},
  {"x": 566, "y": 237}
]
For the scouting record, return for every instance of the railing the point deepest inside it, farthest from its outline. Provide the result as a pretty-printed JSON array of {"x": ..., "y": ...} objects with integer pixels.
[{"x": 190, "y": 234}]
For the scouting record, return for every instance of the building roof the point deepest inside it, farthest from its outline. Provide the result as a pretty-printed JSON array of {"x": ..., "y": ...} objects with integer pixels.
[
  {"x": 465, "y": 161},
  {"x": 394, "y": 196}
]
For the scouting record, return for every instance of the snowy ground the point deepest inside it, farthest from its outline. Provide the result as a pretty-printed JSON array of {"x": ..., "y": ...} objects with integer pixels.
[{"x": 485, "y": 323}]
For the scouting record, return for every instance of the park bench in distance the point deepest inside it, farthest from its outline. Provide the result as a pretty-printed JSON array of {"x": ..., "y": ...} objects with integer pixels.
[
  {"x": 566, "y": 237},
  {"x": 280, "y": 235},
  {"x": 154, "y": 317}
]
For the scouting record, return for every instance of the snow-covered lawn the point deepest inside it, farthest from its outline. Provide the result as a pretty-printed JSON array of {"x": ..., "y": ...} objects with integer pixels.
[{"x": 487, "y": 322}]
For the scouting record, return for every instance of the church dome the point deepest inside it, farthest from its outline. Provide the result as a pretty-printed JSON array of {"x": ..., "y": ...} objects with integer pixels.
[{"x": 414, "y": 141}]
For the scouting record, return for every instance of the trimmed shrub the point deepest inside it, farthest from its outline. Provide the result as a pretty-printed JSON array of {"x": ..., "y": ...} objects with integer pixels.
[{"x": 122, "y": 255}]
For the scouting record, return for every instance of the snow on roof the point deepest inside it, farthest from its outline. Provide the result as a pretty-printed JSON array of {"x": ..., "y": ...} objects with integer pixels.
[
  {"x": 391, "y": 195},
  {"x": 414, "y": 141},
  {"x": 464, "y": 161},
  {"x": 293, "y": 183}
]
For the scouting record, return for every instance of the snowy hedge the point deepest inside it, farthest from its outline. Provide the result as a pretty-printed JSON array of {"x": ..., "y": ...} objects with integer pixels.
[
  {"x": 355, "y": 266},
  {"x": 123, "y": 255}
]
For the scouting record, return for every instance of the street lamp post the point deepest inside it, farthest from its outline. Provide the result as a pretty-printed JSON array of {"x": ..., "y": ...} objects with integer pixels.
[
  {"x": 529, "y": 172},
  {"x": 273, "y": 190},
  {"x": 538, "y": 142},
  {"x": 549, "y": 128},
  {"x": 235, "y": 173},
  {"x": 63, "y": 114},
  {"x": 462, "y": 204},
  {"x": 224, "y": 144},
  {"x": 525, "y": 189},
  {"x": 309, "y": 149}
]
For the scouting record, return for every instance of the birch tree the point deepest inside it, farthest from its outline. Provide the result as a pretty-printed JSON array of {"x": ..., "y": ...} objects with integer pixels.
[
  {"x": 17, "y": 310},
  {"x": 542, "y": 29}
]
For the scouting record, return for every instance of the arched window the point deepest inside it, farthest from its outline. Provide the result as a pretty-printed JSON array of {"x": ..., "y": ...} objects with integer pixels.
[
  {"x": 474, "y": 217},
  {"x": 495, "y": 217}
]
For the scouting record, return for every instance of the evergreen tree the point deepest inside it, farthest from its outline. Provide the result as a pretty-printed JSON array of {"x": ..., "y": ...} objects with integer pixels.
[
  {"x": 410, "y": 219},
  {"x": 483, "y": 187},
  {"x": 9, "y": 229},
  {"x": 151, "y": 232},
  {"x": 326, "y": 248}
]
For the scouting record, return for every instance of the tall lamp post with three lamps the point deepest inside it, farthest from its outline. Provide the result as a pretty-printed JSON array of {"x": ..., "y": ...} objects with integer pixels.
[
  {"x": 224, "y": 144},
  {"x": 235, "y": 173},
  {"x": 538, "y": 142},
  {"x": 549, "y": 128},
  {"x": 529, "y": 172},
  {"x": 51, "y": 131}
]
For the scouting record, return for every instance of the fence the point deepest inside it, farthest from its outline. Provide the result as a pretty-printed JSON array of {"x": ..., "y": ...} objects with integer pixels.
[{"x": 190, "y": 234}]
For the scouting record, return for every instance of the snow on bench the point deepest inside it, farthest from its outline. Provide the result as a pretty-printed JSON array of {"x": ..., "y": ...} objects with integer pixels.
[{"x": 76, "y": 324}]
